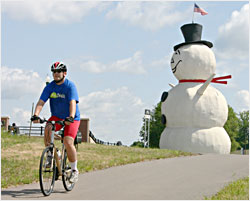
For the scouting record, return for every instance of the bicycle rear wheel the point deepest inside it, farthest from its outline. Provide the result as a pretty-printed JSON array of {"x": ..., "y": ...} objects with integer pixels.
[
  {"x": 47, "y": 174},
  {"x": 66, "y": 173}
]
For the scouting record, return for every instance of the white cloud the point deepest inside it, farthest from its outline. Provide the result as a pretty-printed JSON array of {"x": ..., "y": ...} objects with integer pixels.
[
  {"x": 93, "y": 66},
  {"x": 242, "y": 100},
  {"x": 162, "y": 62},
  {"x": 45, "y": 11},
  {"x": 20, "y": 116},
  {"x": 233, "y": 40},
  {"x": 17, "y": 83},
  {"x": 132, "y": 65},
  {"x": 114, "y": 114},
  {"x": 149, "y": 15}
]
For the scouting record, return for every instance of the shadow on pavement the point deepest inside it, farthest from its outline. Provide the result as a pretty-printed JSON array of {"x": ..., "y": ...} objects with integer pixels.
[
  {"x": 22, "y": 193},
  {"x": 26, "y": 193}
]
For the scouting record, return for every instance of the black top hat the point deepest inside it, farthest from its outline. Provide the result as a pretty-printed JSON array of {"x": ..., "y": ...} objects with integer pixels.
[{"x": 192, "y": 34}]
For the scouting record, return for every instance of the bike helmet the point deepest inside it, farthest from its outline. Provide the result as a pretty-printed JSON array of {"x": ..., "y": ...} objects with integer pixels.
[{"x": 59, "y": 66}]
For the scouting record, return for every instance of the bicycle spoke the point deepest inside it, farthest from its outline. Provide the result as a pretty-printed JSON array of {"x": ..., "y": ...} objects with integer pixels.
[
  {"x": 46, "y": 174},
  {"x": 67, "y": 173}
]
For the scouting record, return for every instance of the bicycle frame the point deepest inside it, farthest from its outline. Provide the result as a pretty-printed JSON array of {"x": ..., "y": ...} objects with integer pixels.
[
  {"x": 58, "y": 163},
  {"x": 58, "y": 167}
]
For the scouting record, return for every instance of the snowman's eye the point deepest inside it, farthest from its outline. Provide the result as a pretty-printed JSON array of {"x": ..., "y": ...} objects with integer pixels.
[{"x": 177, "y": 52}]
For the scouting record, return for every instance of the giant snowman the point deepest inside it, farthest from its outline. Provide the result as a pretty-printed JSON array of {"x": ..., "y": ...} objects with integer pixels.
[{"x": 193, "y": 111}]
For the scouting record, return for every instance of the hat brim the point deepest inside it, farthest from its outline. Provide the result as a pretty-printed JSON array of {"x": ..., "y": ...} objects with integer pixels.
[{"x": 207, "y": 43}]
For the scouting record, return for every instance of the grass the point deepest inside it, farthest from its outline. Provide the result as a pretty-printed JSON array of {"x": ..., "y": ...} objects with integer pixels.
[
  {"x": 237, "y": 190},
  {"x": 96, "y": 157},
  {"x": 20, "y": 157},
  {"x": 246, "y": 152}
]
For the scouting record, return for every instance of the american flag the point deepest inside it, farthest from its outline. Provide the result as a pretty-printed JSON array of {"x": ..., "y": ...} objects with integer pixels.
[{"x": 199, "y": 10}]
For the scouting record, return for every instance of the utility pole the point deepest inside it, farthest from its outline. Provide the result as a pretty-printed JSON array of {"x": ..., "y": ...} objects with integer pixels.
[
  {"x": 147, "y": 117},
  {"x": 31, "y": 116},
  {"x": 148, "y": 131}
]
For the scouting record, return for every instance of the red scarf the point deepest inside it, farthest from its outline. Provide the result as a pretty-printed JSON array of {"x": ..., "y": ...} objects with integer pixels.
[{"x": 214, "y": 80}]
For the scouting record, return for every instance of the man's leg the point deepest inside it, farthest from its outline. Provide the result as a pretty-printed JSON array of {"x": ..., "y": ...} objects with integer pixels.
[
  {"x": 72, "y": 156},
  {"x": 71, "y": 150},
  {"x": 47, "y": 137},
  {"x": 47, "y": 134},
  {"x": 70, "y": 132}
]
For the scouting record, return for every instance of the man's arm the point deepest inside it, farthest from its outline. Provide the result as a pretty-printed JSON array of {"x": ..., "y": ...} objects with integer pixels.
[
  {"x": 39, "y": 107},
  {"x": 72, "y": 110}
]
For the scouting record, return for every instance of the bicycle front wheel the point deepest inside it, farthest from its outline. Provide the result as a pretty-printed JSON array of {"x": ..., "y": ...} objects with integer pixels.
[
  {"x": 47, "y": 173},
  {"x": 66, "y": 173}
]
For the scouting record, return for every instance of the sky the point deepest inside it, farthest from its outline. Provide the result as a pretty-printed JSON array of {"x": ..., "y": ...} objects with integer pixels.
[{"x": 118, "y": 54}]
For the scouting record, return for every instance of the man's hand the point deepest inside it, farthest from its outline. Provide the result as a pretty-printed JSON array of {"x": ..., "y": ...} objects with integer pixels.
[
  {"x": 69, "y": 120},
  {"x": 35, "y": 119}
]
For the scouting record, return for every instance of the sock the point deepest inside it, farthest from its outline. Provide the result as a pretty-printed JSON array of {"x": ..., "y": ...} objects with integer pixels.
[{"x": 74, "y": 165}]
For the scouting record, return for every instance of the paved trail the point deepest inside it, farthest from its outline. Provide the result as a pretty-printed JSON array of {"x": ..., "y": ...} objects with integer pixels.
[{"x": 176, "y": 178}]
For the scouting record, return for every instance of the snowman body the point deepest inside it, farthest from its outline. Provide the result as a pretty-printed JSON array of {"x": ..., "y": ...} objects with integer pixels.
[{"x": 194, "y": 122}]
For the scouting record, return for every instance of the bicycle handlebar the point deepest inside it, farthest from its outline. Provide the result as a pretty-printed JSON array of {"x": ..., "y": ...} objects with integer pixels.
[{"x": 61, "y": 122}]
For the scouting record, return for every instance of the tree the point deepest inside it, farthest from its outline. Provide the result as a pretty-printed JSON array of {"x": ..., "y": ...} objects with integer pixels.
[
  {"x": 137, "y": 144},
  {"x": 237, "y": 129},
  {"x": 243, "y": 135},
  {"x": 156, "y": 127},
  {"x": 232, "y": 128}
]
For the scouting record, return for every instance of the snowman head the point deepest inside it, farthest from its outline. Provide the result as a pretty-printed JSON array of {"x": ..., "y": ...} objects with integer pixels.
[{"x": 193, "y": 61}]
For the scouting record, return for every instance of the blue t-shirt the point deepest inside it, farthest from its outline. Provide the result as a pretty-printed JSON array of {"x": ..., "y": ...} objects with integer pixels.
[{"x": 60, "y": 97}]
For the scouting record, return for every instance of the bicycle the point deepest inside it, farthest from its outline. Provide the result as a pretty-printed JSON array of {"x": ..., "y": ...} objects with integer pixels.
[{"x": 60, "y": 165}]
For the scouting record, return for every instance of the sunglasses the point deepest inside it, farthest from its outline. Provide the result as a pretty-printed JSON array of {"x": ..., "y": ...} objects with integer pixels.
[{"x": 57, "y": 71}]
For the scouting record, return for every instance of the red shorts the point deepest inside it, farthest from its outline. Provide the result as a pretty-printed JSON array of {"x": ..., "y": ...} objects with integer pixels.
[{"x": 69, "y": 130}]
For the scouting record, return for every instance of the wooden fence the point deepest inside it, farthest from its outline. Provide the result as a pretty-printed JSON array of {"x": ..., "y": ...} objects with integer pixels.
[
  {"x": 97, "y": 141},
  {"x": 34, "y": 130},
  {"x": 39, "y": 131}
]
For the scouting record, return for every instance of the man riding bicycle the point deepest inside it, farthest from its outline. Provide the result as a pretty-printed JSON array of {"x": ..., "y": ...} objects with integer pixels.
[{"x": 63, "y": 106}]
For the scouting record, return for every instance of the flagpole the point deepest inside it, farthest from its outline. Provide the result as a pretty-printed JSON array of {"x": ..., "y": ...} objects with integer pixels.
[{"x": 193, "y": 16}]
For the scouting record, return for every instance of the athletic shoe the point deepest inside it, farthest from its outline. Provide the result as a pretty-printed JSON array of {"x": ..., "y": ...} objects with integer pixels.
[{"x": 74, "y": 176}]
